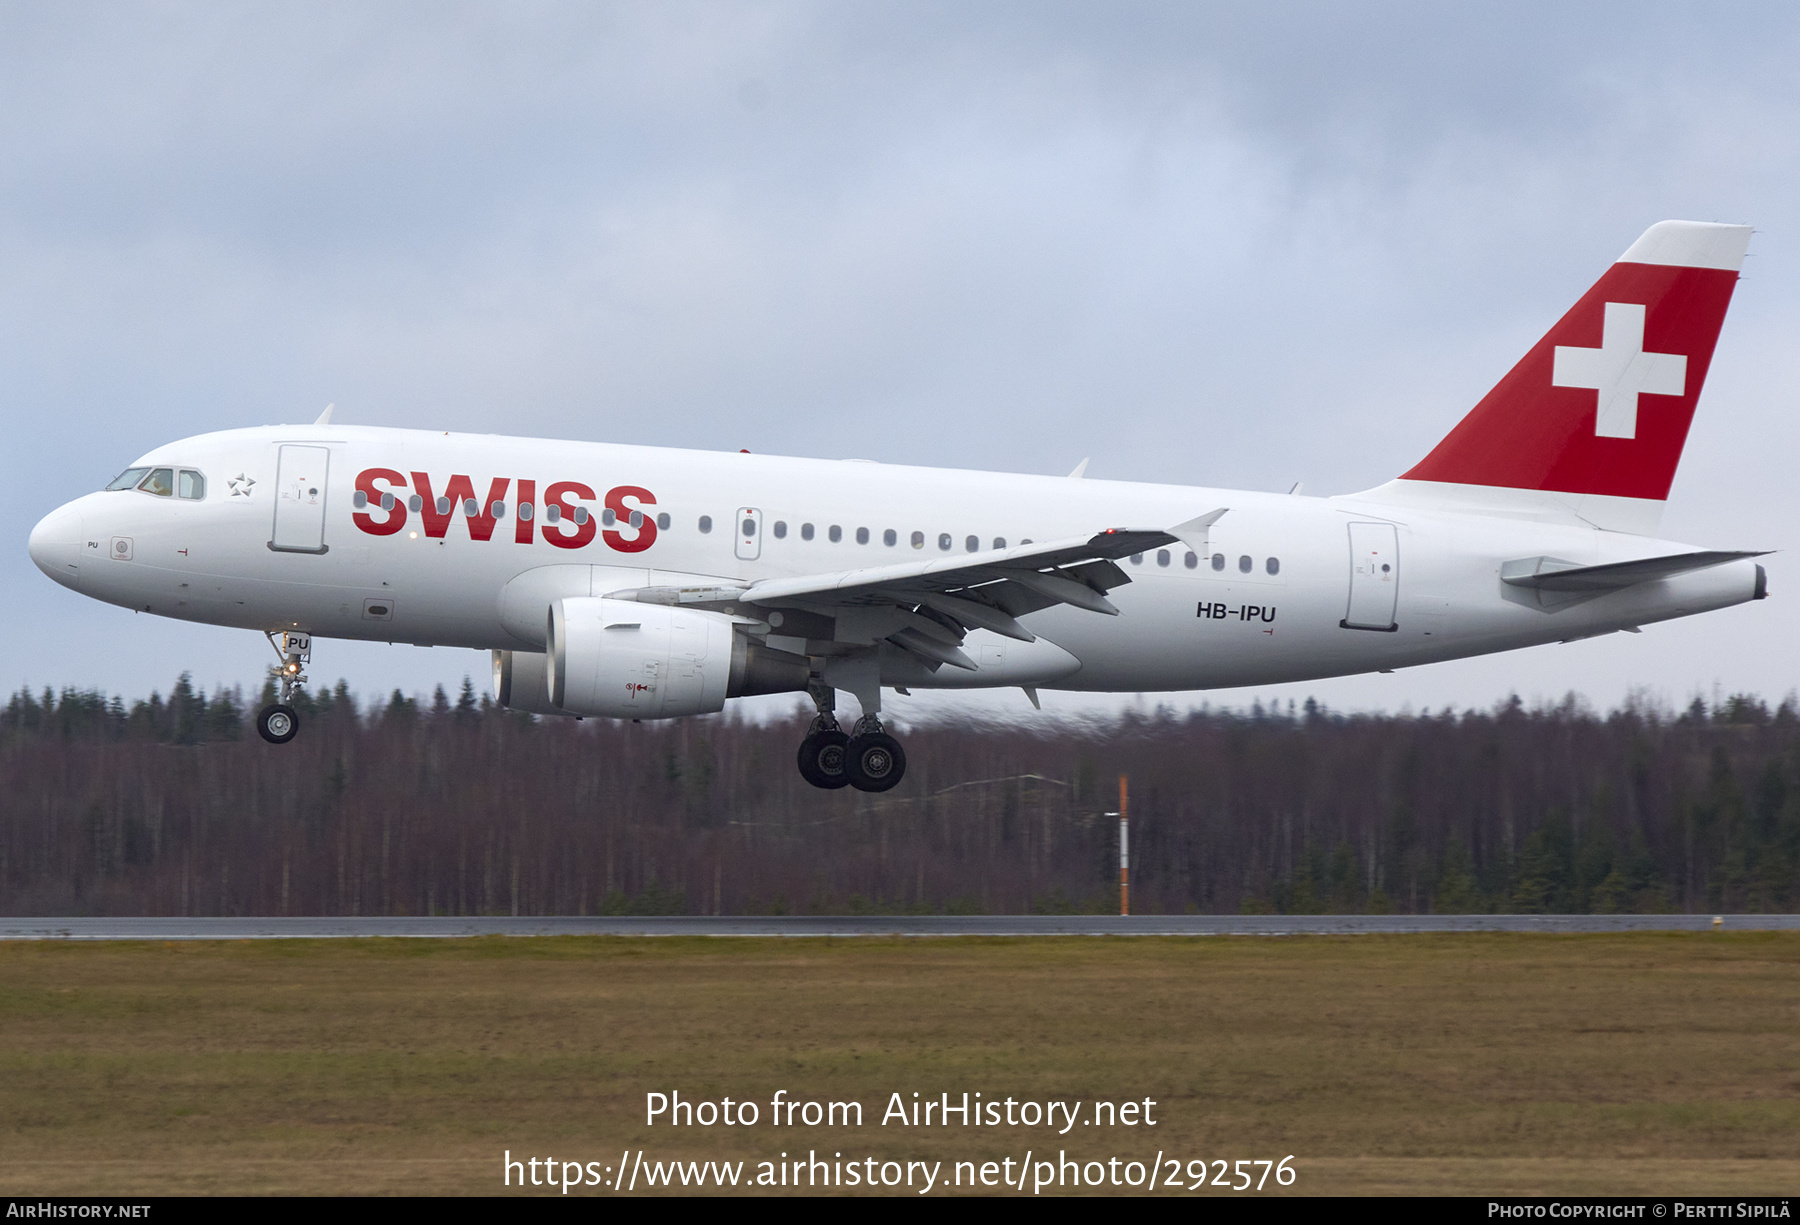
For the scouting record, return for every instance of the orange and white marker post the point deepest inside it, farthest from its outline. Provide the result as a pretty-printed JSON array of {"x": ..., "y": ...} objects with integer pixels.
[{"x": 1124, "y": 851}]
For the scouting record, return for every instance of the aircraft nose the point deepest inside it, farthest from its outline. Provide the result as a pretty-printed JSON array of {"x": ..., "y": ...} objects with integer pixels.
[{"x": 56, "y": 545}]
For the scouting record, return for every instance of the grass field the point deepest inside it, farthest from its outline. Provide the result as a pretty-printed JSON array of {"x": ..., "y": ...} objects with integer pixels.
[{"x": 1645, "y": 1063}]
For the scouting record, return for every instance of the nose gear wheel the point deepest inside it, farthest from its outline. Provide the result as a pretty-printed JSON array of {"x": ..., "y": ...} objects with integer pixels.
[{"x": 277, "y": 723}]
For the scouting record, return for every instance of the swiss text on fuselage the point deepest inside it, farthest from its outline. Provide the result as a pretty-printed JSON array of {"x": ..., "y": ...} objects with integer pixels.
[{"x": 553, "y": 515}]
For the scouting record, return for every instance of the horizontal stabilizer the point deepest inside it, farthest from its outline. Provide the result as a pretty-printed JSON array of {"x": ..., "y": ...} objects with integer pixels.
[{"x": 1554, "y": 574}]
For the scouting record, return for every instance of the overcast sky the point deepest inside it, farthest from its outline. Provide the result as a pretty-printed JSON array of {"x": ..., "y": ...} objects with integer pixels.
[{"x": 1234, "y": 245}]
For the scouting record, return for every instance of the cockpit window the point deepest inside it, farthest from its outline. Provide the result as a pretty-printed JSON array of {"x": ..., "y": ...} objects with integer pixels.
[
  {"x": 160, "y": 482},
  {"x": 127, "y": 479},
  {"x": 191, "y": 485}
]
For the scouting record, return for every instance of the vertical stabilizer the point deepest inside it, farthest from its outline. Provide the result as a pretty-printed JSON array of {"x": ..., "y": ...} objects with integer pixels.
[{"x": 1590, "y": 424}]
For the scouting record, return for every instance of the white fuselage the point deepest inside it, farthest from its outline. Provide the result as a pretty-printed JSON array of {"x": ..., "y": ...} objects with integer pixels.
[{"x": 1180, "y": 627}]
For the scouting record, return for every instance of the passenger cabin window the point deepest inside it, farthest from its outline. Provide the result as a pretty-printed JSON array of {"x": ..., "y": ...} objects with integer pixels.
[
  {"x": 127, "y": 479},
  {"x": 1218, "y": 561},
  {"x": 890, "y": 538},
  {"x": 1244, "y": 564},
  {"x": 973, "y": 544},
  {"x": 836, "y": 533},
  {"x": 1162, "y": 557},
  {"x": 918, "y": 540},
  {"x": 1191, "y": 560},
  {"x": 662, "y": 521},
  {"x": 1273, "y": 565},
  {"x": 190, "y": 485},
  {"x": 705, "y": 524},
  {"x": 781, "y": 529},
  {"x": 999, "y": 542},
  {"x": 944, "y": 541},
  {"x": 806, "y": 531},
  {"x": 862, "y": 535},
  {"x": 160, "y": 482}
]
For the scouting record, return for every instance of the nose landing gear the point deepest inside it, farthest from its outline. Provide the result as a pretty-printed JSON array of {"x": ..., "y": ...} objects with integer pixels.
[{"x": 279, "y": 722}]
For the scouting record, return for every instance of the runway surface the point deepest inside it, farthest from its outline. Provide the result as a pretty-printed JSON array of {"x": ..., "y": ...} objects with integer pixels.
[{"x": 878, "y": 925}]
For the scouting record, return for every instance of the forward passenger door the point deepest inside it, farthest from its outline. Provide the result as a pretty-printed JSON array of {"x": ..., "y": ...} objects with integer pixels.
[{"x": 300, "y": 500}]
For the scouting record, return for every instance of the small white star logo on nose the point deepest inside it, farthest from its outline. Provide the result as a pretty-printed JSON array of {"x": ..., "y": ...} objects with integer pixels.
[{"x": 241, "y": 485}]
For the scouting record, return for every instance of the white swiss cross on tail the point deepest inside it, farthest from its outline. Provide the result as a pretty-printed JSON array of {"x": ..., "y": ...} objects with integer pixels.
[{"x": 1619, "y": 370}]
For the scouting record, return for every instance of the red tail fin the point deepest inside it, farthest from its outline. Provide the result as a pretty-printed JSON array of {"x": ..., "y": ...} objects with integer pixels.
[{"x": 1601, "y": 405}]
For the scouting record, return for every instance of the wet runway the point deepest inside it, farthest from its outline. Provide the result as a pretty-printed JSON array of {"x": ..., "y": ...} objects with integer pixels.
[{"x": 857, "y": 925}]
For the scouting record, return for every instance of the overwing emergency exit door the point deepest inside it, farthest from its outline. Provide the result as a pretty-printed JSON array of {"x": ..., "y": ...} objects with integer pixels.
[
  {"x": 748, "y": 530},
  {"x": 300, "y": 500},
  {"x": 1374, "y": 577}
]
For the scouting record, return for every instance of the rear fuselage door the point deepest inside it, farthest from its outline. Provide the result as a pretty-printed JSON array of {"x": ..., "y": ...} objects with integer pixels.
[
  {"x": 300, "y": 499},
  {"x": 1374, "y": 577},
  {"x": 748, "y": 530}
]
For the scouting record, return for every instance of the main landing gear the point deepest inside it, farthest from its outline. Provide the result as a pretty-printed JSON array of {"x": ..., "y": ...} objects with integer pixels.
[
  {"x": 868, "y": 758},
  {"x": 821, "y": 757},
  {"x": 278, "y": 722}
]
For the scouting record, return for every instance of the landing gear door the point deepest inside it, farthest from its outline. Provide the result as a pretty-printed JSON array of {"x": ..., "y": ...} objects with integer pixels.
[
  {"x": 1374, "y": 577},
  {"x": 300, "y": 500},
  {"x": 748, "y": 530}
]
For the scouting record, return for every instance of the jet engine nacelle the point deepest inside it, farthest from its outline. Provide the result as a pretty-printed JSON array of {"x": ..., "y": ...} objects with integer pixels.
[
  {"x": 632, "y": 661},
  {"x": 624, "y": 660}
]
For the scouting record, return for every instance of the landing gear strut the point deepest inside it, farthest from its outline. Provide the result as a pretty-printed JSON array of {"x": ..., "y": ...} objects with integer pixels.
[
  {"x": 279, "y": 722},
  {"x": 868, "y": 758}
]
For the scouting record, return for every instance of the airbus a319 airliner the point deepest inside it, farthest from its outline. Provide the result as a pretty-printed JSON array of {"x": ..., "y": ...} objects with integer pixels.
[{"x": 645, "y": 583}]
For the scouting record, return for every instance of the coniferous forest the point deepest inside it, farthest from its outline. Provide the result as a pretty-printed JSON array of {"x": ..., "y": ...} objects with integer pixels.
[{"x": 175, "y": 807}]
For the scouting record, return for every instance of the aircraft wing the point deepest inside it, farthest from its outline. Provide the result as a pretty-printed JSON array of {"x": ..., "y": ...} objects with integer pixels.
[
  {"x": 927, "y": 606},
  {"x": 881, "y": 584}
]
